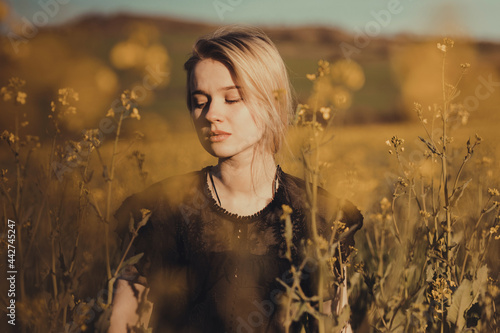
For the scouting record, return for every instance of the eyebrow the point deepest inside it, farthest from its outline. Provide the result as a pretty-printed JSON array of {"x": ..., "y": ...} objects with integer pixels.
[{"x": 201, "y": 92}]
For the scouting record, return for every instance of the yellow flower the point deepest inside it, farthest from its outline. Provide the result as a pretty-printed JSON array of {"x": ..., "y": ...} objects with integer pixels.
[
  {"x": 287, "y": 211},
  {"x": 441, "y": 47},
  {"x": 93, "y": 137},
  {"x": 402, "y": 182},
  {"x": 493, "y": 192},
  {"x": 5, "y": 93},
  {"x": 323, "y": 67},
  {"x": 21, "y": 97},
  {"x": 448, "y": 41},
  {"x": 325, "y": 112},
  {"x": 493, "y": 230},
  {"x": 279, "y": 94},
  {"x": 135, "y": 114},
  {"x": 425, "y": 214},
  {"x": 311, "y": 77},
  {"x": 385, "y": 204},
  {"x": 9, "y": 137}
]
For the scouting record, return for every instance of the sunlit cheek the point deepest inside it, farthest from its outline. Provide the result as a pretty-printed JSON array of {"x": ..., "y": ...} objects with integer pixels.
[{"x": 259, "y": 127}]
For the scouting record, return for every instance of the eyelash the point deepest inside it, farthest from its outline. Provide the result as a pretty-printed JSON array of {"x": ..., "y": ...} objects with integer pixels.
[
  {"x": 234, "y": 101},
  {"x": 201, "y": 105}
]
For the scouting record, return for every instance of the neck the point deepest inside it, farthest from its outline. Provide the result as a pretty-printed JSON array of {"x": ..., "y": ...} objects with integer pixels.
[{"x": 249, "y": 177}]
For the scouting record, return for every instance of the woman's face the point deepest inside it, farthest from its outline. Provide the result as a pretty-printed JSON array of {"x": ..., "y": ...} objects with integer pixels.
[{"x": 223, "y": 120}]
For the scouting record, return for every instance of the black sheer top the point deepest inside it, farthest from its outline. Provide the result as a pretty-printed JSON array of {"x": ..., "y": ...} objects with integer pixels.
[{"x": 213, "y": 271}]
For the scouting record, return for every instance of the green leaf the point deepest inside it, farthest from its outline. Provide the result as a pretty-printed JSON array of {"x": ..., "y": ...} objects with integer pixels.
[
  {"x": 102, "y": 324},
  {"x": 342, "y": 319},
  {"x": 480, "y": 284},
  {"x": 430, "y": 272},
  {"x": 399, "y": 322},
  {"x": 133, "y": 260},
  {"x": 130, "y": 261},
  {"x": 431, "y": 147},
  {"x": 458, "y": 192},
  {"x": 461, "y": 300},
  {"x": 146, "y": 213},
  {"x": 413, "y": 275}
]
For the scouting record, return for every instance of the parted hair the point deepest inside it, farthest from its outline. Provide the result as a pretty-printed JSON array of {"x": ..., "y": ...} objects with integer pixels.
[{"x": 259, "y": 71}]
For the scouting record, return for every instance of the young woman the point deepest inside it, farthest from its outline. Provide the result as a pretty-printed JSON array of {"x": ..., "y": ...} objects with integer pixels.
[{"x": 214, "y": 245}]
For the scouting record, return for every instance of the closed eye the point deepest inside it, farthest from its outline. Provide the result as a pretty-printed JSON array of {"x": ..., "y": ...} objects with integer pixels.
[{"x": 232, "y": 101}]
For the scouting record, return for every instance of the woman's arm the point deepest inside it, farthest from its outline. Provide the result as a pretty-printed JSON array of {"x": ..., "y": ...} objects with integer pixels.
[{"x": 125, "y": 305}]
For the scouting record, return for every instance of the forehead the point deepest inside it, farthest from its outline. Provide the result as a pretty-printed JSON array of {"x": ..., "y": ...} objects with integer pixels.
[{"x": 209, "y": 74}]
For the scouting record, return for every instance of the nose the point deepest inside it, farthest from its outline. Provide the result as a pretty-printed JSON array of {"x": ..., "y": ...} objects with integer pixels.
[{"x": 214, "y": 111}]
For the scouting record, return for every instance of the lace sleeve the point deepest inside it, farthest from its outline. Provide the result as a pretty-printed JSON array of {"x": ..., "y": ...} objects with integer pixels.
[
  {"x": 353, "y": 220},
  {"x": 155, "y": 240},
  {"x": 332, "y": 209}
]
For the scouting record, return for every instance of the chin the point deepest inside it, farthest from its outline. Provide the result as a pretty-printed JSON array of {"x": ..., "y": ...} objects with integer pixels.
[
  {"x": 224, "y": 149},
  {"x": 220, "y": 152},
  {"x": 216, "y": 151}
]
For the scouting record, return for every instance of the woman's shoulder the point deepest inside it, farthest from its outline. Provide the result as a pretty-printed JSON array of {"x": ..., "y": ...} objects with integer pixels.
[
  {"x": 297, "y": 191},
  {"x": 329, "y": 204},
  {"x": 170, "y": 189},
  {"x": 297, "y": 185},
  {"x": 159, "y": 196}
]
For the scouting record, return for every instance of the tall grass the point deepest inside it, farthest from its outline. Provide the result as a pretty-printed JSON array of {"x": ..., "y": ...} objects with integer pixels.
[
  {"x": 424, "y": 263},
  {"x": 56, "y": 210},
  {"x": 424, "y": 256},
  {"x": 424, "y": 259}
]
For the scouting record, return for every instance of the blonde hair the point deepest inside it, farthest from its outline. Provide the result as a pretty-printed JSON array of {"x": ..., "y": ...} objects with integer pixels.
[{"x": 258, "y": 69}]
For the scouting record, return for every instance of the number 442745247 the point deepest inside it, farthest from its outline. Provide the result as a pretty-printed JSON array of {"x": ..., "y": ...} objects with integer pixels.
[{"x": 11, "y": 239}]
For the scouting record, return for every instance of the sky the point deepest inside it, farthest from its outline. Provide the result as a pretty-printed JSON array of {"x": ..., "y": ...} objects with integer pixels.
[{"x": 477, "y": 19}]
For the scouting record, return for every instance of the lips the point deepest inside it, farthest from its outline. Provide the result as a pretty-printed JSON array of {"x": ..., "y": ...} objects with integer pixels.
[{"x": 218, "y": 136}]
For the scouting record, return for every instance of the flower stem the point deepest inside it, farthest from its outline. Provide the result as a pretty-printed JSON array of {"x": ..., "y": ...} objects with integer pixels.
[
  {"x": 108, "y": 200},
  {"x": 445, "y": 171}
]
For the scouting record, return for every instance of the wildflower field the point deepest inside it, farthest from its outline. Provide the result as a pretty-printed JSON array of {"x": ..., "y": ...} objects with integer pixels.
[{"x": 407, "y": 130}]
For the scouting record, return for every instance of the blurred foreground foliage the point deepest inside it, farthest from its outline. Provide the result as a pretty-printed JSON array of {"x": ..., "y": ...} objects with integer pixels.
[{"x": 426, "y": 257}]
